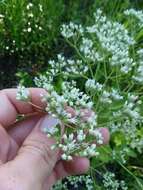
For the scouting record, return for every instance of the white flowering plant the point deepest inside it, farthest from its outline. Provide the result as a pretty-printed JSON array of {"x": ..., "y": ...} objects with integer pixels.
[{"x": 99, "y": 84}]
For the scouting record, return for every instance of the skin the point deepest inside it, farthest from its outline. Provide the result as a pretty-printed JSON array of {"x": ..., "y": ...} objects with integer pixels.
[{"x": 26, "y": 160}]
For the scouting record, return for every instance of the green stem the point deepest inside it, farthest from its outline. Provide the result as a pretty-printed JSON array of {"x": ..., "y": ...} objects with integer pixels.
[
  {"x": 129, "y": 172},
  {"x": 126, "y": 169},
  {"x": 80, "y": 55}
]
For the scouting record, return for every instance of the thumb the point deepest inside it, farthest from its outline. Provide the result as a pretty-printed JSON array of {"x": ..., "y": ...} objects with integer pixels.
[{"x": 35, "y": 157}]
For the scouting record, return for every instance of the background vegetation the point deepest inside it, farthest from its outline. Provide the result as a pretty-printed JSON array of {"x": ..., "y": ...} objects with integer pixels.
[{"x": 30, "y": 36}]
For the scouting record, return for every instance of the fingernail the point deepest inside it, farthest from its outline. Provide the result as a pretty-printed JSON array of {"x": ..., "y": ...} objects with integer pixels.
[{"x": 48, "y": 124}]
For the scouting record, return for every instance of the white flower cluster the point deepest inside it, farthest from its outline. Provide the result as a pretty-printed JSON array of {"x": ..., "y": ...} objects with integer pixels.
[
  {"x": 1, "y": 18},
  {"x": 93, "y": 86},
  {"x": 67, "y": 66},
  {"x": 131, "y": 109},
  {"x": 75, "y": 182},
  {"x": 105, "y": 96},
  {"x": 115, "y": 94},
  {"x": 114, "y": 39},
  {"x": 23, "y": 93},
  {"x": 71, "y": 30},
  {"x": 127, "y": 120},
  {"x": 30, "y": 15},
  {"x": 121, "y": 154},
  {"x": 90, "y": 53},
  {"x": 135, "y": 13},
  {"x": 110, "y": 183},
  {"x": 29, "y": 6},
  {"x": 108, "y": 97},
  {"x": 43, "y": 81},
  {"x": 73, "y": 109},
  {"x": 139, "y": 73},
  {"x": 32, "y": 24},
  {"x": 130, "y": 128}
]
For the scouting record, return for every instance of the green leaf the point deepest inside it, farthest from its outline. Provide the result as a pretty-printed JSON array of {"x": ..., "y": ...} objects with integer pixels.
[{"x": 118, "y": 138}]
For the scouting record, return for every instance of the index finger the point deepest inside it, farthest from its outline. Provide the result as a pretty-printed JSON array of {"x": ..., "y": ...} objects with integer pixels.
[{"x": 10, "y": 107}]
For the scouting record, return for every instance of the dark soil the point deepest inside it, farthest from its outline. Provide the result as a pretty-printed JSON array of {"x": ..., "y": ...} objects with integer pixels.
[{"x": 8, "y": 68}]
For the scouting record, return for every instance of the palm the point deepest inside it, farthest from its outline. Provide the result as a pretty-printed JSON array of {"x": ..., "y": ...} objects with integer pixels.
[{"x": 12, "y": 141}]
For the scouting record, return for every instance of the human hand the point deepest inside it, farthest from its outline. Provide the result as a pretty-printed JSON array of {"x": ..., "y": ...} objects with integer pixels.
[{"x": 26, "y": 160}]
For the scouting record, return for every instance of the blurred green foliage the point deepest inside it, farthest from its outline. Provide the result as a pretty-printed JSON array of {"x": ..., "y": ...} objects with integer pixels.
[
  {"x": 30, "y": 32},
  {"x": 29, "y": 28}
]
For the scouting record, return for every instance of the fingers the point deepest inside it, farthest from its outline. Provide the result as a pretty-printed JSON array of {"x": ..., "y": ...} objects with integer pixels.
[
  {"x": 104, "y": 131},
  {"x": 10, "y": 107},
  {"x": 8, "y": 147},
  {"x": 36, "y": 154},
  {"x": 76, "y": 166},
  {"x": 23, "y": 129},
  {"x": 105, "y": 134},
  {"x": 63, "y": 169}
]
